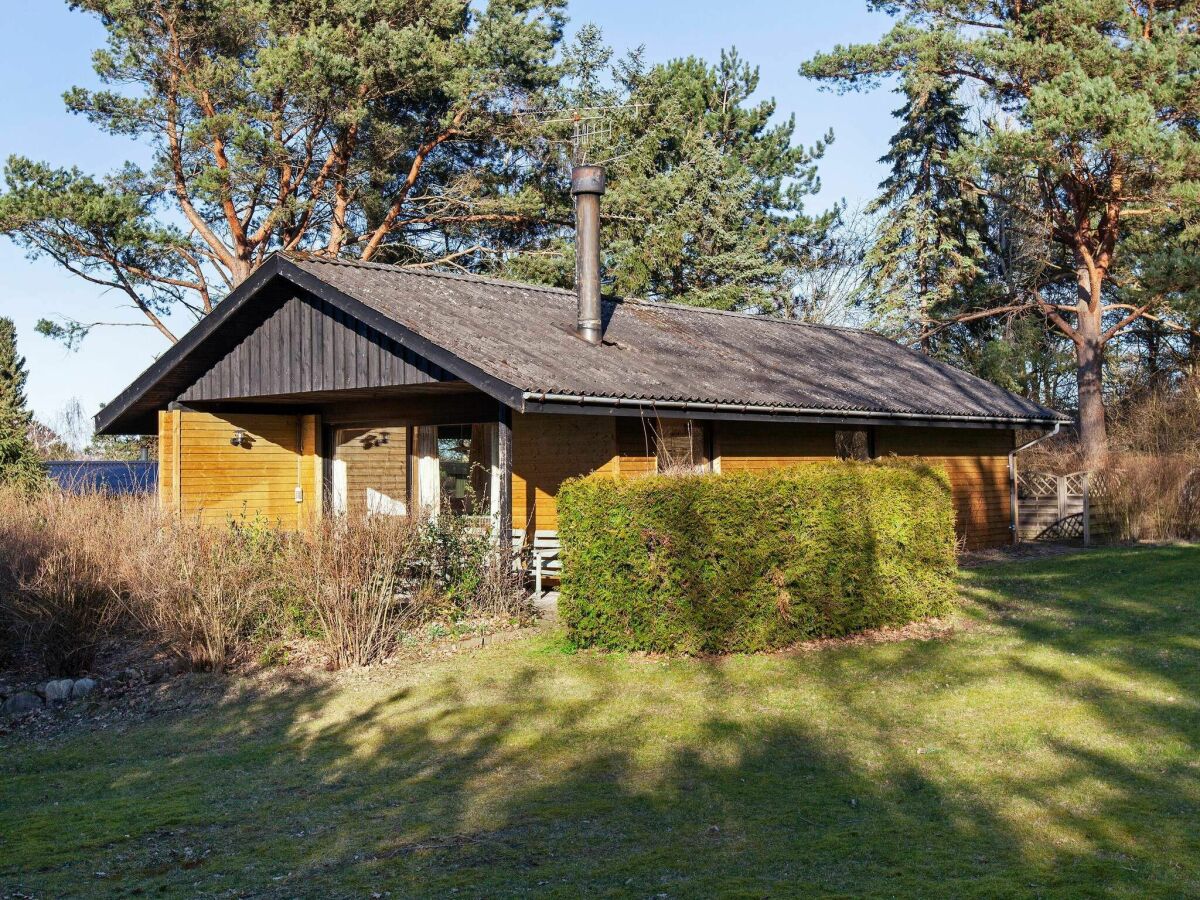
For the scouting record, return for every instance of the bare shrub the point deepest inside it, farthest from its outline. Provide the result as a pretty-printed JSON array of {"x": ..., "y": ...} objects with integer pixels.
[
  {"x": 1059, "y": 455},
  {"x": 56, "y": 594},
  {"x": 1151, "y": 497},
  {"x": 201, "y": 590},
  {"x": 1160, "y": 423},
  {"x": 349, "y": 571},
  {"x": 369, "y": 580},
  {"x": 73, "y": 567},
  {"x": 1151, "y": 482}
]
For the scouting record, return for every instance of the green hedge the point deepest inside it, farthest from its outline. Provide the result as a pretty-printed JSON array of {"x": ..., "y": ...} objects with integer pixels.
[{"x": 754, "y": 561}]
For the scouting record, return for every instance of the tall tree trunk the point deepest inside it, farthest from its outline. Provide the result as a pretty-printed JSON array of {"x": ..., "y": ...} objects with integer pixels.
[{"x": 1089, "y": 376}]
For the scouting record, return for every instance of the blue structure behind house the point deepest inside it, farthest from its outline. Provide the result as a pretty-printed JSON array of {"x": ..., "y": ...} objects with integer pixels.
[{"x": 85, "y": 475}]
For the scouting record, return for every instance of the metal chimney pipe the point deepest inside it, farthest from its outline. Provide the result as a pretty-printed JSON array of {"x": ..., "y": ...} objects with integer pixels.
[{"x": 587, "y": 186}]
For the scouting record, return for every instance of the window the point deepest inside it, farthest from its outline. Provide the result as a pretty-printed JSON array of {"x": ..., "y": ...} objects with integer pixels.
[
  {"x": 681, "y": 445},
  {"x": 370, "y": 471},
  {"x": 465, "y": 468},
  {"x": 854, "y": 443}
]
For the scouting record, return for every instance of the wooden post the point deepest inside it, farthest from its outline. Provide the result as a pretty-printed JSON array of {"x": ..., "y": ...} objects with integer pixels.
[
  {"x": 1061, "y": 482},
  {"x": 1087, "y": 509},
  {"x": 1014, "y": 499},
  {"x": 177, "y": 450},
  {"x": 504, "y": 466}
]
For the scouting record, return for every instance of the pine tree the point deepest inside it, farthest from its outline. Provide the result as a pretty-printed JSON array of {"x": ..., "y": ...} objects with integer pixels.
[
  {"x": 928, "y": 248},
  {"x": 19, "y": 464},
  {"x": 1097, "y": 112},
  {"x": 706, "y": 190},
  {"x": 378, "y": 129}
]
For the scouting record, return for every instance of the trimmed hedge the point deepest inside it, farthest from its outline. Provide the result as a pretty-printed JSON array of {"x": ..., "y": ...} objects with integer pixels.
[{"x": 754, "y": 561}]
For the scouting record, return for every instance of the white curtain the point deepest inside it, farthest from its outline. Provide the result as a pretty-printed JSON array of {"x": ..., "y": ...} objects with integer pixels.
[{"x": 429, "y": 482}]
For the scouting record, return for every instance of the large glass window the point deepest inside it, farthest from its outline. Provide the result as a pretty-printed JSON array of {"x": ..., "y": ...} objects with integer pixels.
[
  {"x": 465, "y": 468},
  {"x": 681, "y": 445},
  {"x": 854, "y": 443}
]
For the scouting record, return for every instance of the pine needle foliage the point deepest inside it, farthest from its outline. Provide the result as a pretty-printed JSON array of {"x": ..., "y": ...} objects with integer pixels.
[
  {"x": 20, "y": 465},
  {"x": 928, "y": 249}
]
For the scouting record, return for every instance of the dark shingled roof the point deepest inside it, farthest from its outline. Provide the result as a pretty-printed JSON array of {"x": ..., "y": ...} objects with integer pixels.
[
  {"x": 524, "y": 335},
  {"x": 518, "y": 343}
]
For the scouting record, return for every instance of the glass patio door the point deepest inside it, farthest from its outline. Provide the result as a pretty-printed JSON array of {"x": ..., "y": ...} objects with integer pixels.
[{"x": 456, "y": 470}]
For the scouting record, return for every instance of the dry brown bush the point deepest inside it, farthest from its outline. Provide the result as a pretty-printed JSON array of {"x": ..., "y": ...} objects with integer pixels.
[
  {"x": 201, "y": 591},
  {"x": 351, "y": 574},
  {"x": 57, "y": 598},
  {"x": 1151, "y": 497},
  {"x": 1151, "y": 482},
  {"x": 74, "y": 566}
]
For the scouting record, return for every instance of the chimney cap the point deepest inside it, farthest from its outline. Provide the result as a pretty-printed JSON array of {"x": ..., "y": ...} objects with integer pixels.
[{"x": 587, "y": 180}]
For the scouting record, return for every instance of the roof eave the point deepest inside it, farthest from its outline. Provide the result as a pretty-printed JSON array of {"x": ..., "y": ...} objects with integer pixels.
[{"x": 537, "y": 401}]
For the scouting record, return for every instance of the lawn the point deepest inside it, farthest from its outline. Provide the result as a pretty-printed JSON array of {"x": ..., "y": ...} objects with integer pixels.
[{"x": 1048, "y": 746}]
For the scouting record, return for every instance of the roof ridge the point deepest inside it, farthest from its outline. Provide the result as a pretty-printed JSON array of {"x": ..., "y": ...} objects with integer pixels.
[
  {"x": 523, "y": 285},
  {"x": 425, "y": 273}
]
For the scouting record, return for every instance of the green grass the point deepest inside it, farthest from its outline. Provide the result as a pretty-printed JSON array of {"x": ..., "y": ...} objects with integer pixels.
[{"x": 1049, "y": 747}]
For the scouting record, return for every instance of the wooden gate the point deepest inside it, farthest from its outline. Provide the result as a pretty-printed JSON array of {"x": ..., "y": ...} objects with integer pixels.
[{"x": 1055, "y": 507}]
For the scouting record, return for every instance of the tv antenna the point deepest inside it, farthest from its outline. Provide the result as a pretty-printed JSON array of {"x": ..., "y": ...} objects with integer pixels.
[{"x": 591, "y": 140}]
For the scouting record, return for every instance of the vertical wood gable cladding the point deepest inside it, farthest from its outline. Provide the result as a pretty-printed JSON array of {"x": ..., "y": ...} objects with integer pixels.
[
  {"x": 307, "y": 344},
  {"x": 209, "y": 479}
]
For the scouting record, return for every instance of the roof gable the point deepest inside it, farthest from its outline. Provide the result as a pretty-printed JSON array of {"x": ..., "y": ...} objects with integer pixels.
[{"x": 308, "y": 344}]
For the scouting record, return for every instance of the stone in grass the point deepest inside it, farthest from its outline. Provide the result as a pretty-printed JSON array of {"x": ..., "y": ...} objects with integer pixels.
[
  {"x": 58, "y": 691},
  {"x": 20, "y": 703},
  {"x": 82, "y": 687}
]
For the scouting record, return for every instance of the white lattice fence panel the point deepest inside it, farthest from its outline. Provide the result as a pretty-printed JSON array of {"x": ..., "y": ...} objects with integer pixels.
[{"x": 1037, "y": 484}]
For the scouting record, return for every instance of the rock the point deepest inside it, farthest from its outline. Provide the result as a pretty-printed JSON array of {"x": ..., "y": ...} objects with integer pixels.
[
  {"x": 82, "y": 687},
  {"x": 58, "y": 691},
  {"x": 20, "y": 703}
]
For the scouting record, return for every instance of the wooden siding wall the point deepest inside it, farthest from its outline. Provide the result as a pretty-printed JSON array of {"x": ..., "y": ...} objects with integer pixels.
[
  {"x": 373, "y": 466},
  {"x": 309, "y": 345},
  {"x": 977, "y": 462},
  {"x": 547, "y": 450},
  {"x": 202, "y": 474},
  {"x": 755, "y": 446},
  {"x": 550, "y": 448},
  {"x": 206, "y": 477},
  {"x": 635, "y": 447}
]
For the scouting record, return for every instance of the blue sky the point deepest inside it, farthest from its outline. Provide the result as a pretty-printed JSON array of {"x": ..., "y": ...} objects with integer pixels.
[{"x": 45, "y": 48}]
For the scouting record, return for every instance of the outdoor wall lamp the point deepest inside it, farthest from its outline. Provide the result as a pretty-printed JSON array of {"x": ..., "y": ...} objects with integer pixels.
[
  {"x": 383, "y": 437},
  {"x": 238, "y": 439}
]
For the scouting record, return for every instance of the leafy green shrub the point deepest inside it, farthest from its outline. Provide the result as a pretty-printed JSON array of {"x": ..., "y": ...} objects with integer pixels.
[{"x": 754, "y": 561}]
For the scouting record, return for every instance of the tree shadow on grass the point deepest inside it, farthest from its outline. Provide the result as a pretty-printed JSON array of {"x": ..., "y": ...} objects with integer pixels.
[{"x": 1009, "y": 762}]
